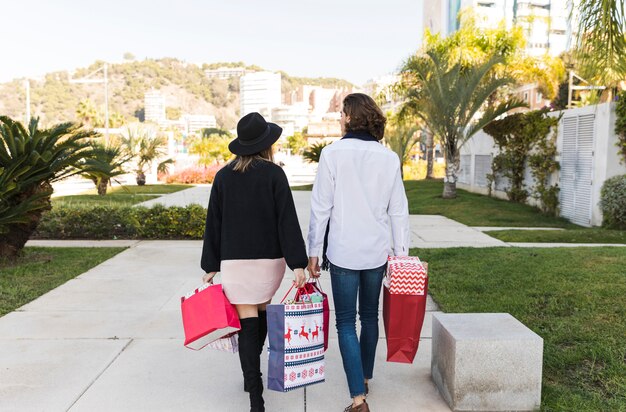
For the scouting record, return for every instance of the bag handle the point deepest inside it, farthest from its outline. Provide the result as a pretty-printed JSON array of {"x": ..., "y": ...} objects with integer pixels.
[
  {"x": 297, "y": 294},
  {"x": 300, "y": 291},
  {"x": 316, "y": 284},
  {"x": 288, "y": 292}
]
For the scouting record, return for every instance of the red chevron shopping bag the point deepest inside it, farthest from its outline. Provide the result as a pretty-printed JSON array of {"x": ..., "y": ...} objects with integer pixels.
[{"x": 404, "y": 306}]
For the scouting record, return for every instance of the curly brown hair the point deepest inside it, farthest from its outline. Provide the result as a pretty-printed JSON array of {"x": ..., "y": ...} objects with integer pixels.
[{"x": 365, "y": 115}]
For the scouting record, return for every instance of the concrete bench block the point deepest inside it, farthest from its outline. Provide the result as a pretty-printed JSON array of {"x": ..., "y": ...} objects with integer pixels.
[{"x": 486, "y": 362}]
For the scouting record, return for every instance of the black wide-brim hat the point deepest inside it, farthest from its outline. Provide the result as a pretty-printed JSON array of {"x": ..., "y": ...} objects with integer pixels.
[{"x": 254, "y": 135}]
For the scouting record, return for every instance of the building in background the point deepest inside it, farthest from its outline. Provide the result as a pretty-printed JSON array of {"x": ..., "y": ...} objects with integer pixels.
[
  {"x": 381, "y": 89},
  {"x": 328, "y": 129},
  {"x": 260, "y": 92},
  {"x": 546, "y": 23},
  {"x": 225, "y": 72},
  {"x": 196, "y": 122},
  {"x": 154, "y": 106},
  {"x": 319, "y": 100},
  {"x": 292, "y": 118}
]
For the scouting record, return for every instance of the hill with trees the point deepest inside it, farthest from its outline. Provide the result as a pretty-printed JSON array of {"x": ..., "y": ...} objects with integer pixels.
[{"x": 185, "y": 86}]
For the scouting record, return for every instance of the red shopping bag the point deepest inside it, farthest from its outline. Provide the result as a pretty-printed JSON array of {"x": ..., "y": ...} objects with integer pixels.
[
  {"x": 207, "y": 316},
  {"x": 313, "y": 287},
  {"x": 404, "y": 306}
]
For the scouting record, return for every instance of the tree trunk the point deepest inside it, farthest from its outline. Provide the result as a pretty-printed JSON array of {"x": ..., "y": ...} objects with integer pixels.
[
  {"x": 102, "y": 186},
  {"x": 430, "y": 145},
  {"x": 141, "y": 178},
  {"x": 452, "y": 168},
  {"x": 13, "y": 241}
]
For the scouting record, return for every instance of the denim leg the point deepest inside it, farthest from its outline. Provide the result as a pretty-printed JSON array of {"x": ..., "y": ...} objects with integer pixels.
[
  {"x": 345, "y": 284},
  {"x": 369, "y": 295}
]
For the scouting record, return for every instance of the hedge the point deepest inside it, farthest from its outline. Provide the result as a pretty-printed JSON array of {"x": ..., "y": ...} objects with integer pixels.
[
  {"x": 613, "y": 202},
  {"x": 111, "y": 222}
]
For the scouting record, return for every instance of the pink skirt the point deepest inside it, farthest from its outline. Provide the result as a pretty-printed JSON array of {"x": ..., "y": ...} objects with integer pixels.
[{"x": 251, "y": 281}]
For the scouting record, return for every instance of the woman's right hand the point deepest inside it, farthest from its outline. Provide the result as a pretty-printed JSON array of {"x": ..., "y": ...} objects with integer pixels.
[{"x": 300, "y": 278}]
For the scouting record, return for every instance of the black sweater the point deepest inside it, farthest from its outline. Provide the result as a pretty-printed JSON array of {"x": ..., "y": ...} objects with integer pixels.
[{"x": 251, "y": 215}]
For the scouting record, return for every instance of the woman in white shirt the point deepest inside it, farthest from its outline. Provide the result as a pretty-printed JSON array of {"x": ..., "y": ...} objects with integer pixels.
[{"x": 359, "y": 216}]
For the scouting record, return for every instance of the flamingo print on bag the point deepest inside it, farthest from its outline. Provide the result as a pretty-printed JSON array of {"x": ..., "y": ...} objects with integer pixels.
[
  {"x": 316, "y": 333},
  {"x": 303, "y": 333},
  {"x": 288, "y": 334}
]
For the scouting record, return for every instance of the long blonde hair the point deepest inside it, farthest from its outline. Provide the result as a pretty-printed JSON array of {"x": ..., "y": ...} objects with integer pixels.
[{"x": 243, "y": 163}]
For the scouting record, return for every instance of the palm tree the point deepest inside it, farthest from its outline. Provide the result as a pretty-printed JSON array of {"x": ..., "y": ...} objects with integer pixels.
[
  {"x": 401, "y": 135},
  {"x": 430, "y": 153},
  {"x": 145, "y": 151},
  {"x": 86, "y": 112},
  {"x": 450, "y": 99},
  {"x": 151, "y": 150},
  {"x": 211, "y": 150},
  {"x": 601, "y": 48},
  {"x": 102, "y": 164},
  {"x": 31, "y": 159},
  {"x": 312, "y": 153}
]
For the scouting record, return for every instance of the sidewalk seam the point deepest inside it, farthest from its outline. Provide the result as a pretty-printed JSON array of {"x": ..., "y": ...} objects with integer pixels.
[{"x": 100, "y": 374}]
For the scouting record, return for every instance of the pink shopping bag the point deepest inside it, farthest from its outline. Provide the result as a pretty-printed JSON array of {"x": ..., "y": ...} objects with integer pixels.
[{"x": 207, "y": 316}]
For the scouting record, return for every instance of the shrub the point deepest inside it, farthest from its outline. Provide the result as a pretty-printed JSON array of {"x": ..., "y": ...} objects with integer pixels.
[
  {"x": 416, "y": 170},
  {"x": 613, "y": 202},
  {"x": 194, "y": 175},
  {"x": 111, "y": 222},
  {"x": 160, "y": 222},
  {"x": 31, "y": 159},
  {"x": 313, "y": 153}
]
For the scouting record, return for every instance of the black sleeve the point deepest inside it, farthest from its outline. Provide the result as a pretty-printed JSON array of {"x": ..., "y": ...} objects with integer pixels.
[
  {"x": 289, "y": 232},
  {"x": 211, "y": 248}
]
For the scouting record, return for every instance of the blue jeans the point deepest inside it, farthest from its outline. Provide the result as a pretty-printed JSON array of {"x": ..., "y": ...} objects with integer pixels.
[{"x": 357, "y": 354}]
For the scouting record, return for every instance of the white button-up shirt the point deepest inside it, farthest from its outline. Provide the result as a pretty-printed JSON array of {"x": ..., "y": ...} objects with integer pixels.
[{"x": 359, "y": 188}]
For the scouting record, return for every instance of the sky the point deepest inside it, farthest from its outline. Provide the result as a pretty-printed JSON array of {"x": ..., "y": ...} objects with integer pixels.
[{"x": 354, "y": 40}]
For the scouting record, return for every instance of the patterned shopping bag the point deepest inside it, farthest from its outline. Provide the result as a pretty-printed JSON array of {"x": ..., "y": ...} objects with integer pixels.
[
  {"x": 296, "y": 345},
  {"x": 228, "y": 344},
  {"x": 315, "y": 288},
  {"x": 404, "y": 306}
]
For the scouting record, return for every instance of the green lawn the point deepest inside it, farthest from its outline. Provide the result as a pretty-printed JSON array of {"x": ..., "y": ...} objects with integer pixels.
[
  {"x": 473, "y": 209},
  {"x": 573, "y": 298},
  {"x": 118, "y": 196},
  {"x": 594, "y": 235},
  {"x": 40, "y": 270},
  {"x": 302, "y": 188}
]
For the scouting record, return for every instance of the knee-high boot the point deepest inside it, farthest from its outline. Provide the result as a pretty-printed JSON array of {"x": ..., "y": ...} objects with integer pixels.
[
  {"x": 262, "y": 329},
  {"x": 251, "y": 362},
  {"x": 262, "y": 336}
]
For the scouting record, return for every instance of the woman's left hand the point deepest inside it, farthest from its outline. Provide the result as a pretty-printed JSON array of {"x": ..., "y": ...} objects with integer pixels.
[
  {"x": 208, "y": 278},
  {"x": 300, "y": 278}
]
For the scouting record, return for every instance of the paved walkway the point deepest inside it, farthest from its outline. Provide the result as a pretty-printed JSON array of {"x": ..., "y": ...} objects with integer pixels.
[
  {"x": 496, "y": 228},
  {"x": 111, "y": 340},
  {"x": 427, "y": 231},
  {"x": 198, "y": 195}
]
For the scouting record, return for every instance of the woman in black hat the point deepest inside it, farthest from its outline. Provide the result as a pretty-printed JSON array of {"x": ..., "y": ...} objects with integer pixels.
[{"x": 252, "y": 233}]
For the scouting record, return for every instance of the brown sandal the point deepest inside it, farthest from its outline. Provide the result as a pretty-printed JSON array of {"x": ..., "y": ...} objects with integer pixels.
[{"x": 364, "y": 407}]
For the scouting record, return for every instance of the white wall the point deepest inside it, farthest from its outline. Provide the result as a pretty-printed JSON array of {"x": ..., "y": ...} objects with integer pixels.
[{"x": 606, "y": 160}]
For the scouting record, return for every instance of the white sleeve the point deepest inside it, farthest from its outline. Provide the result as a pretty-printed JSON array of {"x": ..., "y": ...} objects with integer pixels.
[
  {"x": 321, "y": 206},
  {"x": 398, "y": 211}
]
